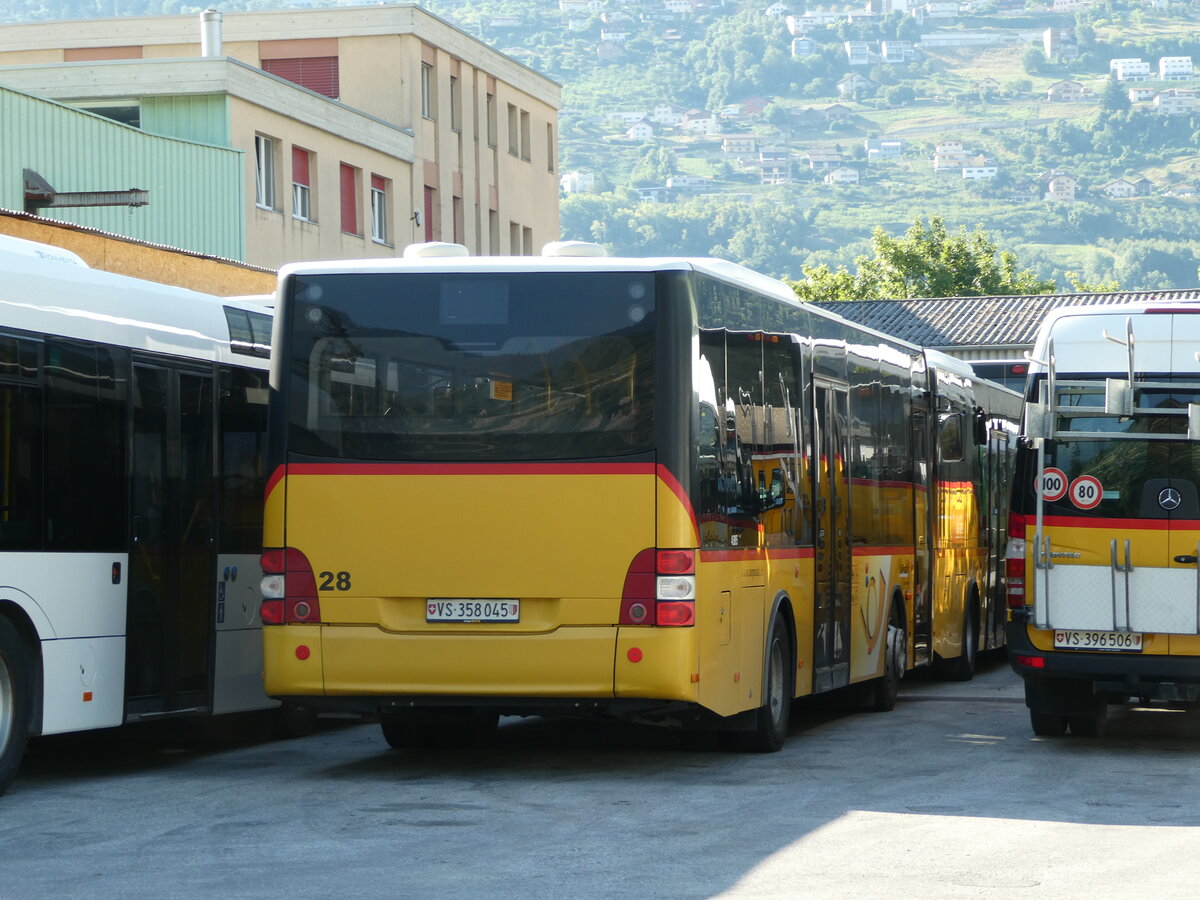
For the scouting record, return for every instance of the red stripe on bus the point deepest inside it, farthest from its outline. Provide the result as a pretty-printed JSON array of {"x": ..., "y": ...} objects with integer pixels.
[
  {"x": 883, "y": 551},
  {"x": 1088, "y": 522}
]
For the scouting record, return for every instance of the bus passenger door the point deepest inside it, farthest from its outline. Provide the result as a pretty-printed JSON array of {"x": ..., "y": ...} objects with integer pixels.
[
  {"x": 167, "y": 645},
  {"x": 834, "y": 564},
  {"x": 922, "y": 529}
]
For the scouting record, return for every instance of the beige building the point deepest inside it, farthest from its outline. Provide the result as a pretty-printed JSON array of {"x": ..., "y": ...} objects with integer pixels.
[{"x": 364, "y": 129}]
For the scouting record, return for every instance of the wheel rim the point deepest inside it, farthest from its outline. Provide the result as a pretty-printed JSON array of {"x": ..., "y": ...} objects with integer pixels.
[
  {"x": 775, "y": 682},
  {"x": 7, "y": 704}
]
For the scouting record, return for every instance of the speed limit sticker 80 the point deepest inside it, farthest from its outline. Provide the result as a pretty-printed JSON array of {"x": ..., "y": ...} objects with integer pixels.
[{"x": 1086, "y": 492}]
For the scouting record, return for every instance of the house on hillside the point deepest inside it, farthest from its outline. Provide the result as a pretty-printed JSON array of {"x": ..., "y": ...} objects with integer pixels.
[
  {"x": 856, "y": 85},
  {"x": 1119, "y": 188},
  {"x": 1141, "y": 94},
  {"x": 842, "y": 175},
  {"x": 1066, "y": 92},
  {"x": 1175, "y": 102},
  {"x": 936, "y": 9},
  {"x": 1143, "y": 186},
  {"x": 642, "y": 130},
  {"x": 1183, "y": 189},
  {"x": 837, "y": 113},
  {"x": 949, "y": 156},
  {"x": 980, "y": 168},
  {"x": 802, "y": 47},
  {"x": 883, "y": 148},
  {"x": 1175, "y": 68},
  {"x": 609, "y": 50},
  {"x": 1059, "y": 44},
  {"x": 777, "y": 11},
  {"x": 739, "y": 146},
  {"x": 775, "y": 165},
  {"x": 988, "y": 86},
  {"x": 897, "y": 51},
  {"x": 700, "y": 121},
  {"x": 577, "y": 182},
  {"x": 1129, "y": 69},
  {"x": 823, "y": 160},
  {"x": 1058, "y": 186},
  {"x": 859, "y": 53},
  {"x": 653, "y": 194},
  {"x": 667, "y": 114}
]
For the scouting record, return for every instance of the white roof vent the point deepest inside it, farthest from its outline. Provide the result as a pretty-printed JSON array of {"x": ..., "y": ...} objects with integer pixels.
[
  {"x": 434, "y": 248},
  {"x": 573, "y": 248}
]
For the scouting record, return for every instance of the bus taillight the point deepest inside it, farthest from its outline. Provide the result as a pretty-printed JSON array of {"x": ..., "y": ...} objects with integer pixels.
[
  {"x": 1014, "y": 570},
  {"x": 289, "y": 588},
  {"x": 660, "y": 589}
]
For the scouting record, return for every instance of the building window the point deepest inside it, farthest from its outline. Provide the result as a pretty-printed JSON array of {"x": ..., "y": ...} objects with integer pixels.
[
  {"x": 349, "y": 179},
  {"x": 427, "y": 90},
  {"x": 430, "y": 207},
  {"x": 549, "y": 147},
  {"x": 514, "y": 134},
  {"x": 493, "y": 233},
  {"x": 459, "y": 224},
  {"x": 301, "y": 184},
  {"x": 527, "y": 241},
  {"x": 317, "y": 73},
  {"x": 514, "y": 239},
  {"x": 491, "y": 120},
  {"x": 379, "y": 210},
  {"x": 455, "y": 103},
  {"x": 264, "y": 173},
  {"x": 526, "y": 143}
]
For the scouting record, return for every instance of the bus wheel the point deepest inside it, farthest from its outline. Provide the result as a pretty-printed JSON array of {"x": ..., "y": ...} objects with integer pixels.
[
  {"x": 770, "y": 721},
  {"x": 1091, "y": 725},
  {"x": 416, "y": 728},
  {"x": 15, "y": 698},
  {"x": 888, "y": 686},
  {"x": 1047, "y": 724},
  {"x": 294, "y": 720},
  {"x": 963, "y": 668}
]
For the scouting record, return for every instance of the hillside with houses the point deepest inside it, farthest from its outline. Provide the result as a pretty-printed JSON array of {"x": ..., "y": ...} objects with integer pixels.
[
  {"x": 1068, "y": 129},
  {"x": 780, "y": 133}
]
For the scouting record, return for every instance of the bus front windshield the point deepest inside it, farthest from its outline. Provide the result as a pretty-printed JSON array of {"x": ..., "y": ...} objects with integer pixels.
[{"x": 470, "y": 366}]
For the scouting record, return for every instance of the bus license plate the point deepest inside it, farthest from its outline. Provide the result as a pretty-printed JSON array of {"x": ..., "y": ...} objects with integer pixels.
[
  {"x": 438, "y": 610},
  {"x": 1130, "y": 642}
]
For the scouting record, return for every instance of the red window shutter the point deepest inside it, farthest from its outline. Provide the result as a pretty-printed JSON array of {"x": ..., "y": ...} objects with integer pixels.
[
  {"x": 349, "y": 200},
  {"x": 300, "y": 167},
  {"x": 429, "y": 213},
  {"x": 317, "y": 73},
  {"x": 378, "y": 183}
]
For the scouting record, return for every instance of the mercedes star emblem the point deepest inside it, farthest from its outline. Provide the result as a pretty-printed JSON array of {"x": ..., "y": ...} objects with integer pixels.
[{"x": 1168, "y": 498}]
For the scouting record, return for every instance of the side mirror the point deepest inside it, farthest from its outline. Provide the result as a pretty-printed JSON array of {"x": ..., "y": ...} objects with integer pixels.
[{"x": 1036, "y": 418}]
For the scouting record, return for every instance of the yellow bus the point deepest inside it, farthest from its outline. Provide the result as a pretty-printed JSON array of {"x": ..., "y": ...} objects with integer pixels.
[
  {"x": 1105, "y": 526},
  {"x": 660, "y": 490}
]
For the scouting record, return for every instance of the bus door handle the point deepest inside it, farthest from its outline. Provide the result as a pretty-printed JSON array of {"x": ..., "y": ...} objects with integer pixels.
[{"x": 1187, "y": 560}]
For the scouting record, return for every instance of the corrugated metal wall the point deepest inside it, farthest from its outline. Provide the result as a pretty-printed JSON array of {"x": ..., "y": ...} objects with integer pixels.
[{"x": 196, "y": 189}]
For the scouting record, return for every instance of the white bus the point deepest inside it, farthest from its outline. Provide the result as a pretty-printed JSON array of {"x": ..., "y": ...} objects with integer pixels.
[{"x": 132, "y": 421}]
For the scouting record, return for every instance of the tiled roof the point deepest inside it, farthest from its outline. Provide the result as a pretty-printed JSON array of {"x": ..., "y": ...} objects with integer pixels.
[{"x": 948, "y": 322}]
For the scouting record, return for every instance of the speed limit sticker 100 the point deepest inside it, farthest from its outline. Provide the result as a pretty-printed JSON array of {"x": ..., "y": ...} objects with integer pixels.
[
  {"x": 1054, "y": 484},
  {"x": 1086, "y": 492}
]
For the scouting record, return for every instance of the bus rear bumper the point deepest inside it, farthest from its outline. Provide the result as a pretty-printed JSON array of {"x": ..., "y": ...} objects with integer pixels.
[
  {"x": 592, "y": 662},
  {"x": 1115, "y": 677}
]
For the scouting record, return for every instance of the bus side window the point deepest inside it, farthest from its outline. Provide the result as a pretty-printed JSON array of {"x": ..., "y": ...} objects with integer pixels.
[{"x": 950, "y": 443}]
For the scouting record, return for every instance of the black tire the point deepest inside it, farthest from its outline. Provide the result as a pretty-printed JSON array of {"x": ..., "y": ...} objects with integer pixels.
[
  {"x": 887, "y": 687},
  {"x": 1090, "y": 725},
  {"x": 1047, "y": 724},
  {"x": 770, "y": 721},
  {"x": 962, "y": 668},
  {"x": 15, "y": 698},
  {"x": 423, "y": 728},
  {"x": 292, "y": 720}
]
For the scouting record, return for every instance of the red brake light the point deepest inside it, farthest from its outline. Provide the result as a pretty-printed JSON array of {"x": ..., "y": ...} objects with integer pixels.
[
  {"x": 676, "y": 613},
  {"x": 1032, "y": 662},
  {"x": 298, "y": 602},
  {"x": 676, "y": 562}
]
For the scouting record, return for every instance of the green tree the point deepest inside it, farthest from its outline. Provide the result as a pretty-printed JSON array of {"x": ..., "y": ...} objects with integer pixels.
[
  {"x": 928, "y": 261},
  {"x": 1114, "y": 96}
]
